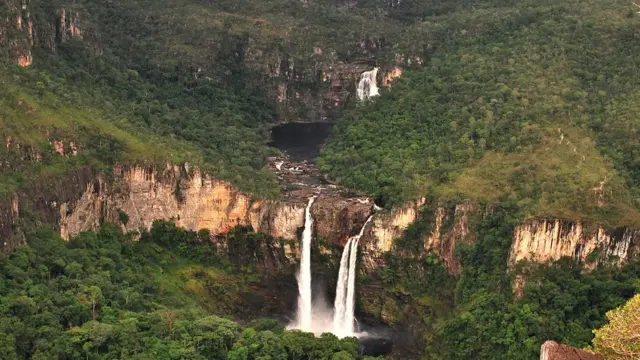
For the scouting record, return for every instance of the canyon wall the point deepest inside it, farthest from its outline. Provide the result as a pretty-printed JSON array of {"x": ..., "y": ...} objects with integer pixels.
[
  {"x": 81, "y": 201},
  {"x": 448, "y": 227},
  {"x": 308, "y": 82},
  {"x": 538, "y": 240},
  {"x": 29, "y": 26},
  {"x": 550, "y": 240}
]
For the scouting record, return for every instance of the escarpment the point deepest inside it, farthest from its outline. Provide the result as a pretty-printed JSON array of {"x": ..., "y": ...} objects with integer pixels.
[
  {"x": 138, "y": 195},
  {"x": 537, "y": 240},
  {"x": 308, "y": 80},
  {"x": 548, "y": 240}
]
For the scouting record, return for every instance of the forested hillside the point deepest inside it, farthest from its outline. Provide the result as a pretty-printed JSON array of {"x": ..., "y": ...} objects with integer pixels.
[
  {"x": 102, "y": 296},
  {"x": 536, "y": 102},
  {"x": 186, "y": 81},
  {"x": 490, "y": 311},
  {"x": 520, "y": 109}
]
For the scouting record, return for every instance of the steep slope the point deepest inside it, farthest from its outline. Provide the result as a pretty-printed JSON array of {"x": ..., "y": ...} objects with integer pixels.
[
  {"x": 536, "y": 103},
  {"x": 213, "y": 75}
]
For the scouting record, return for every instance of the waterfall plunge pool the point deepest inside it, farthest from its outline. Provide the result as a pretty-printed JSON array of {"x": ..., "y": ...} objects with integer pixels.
[{"x": 301, "y": 141}]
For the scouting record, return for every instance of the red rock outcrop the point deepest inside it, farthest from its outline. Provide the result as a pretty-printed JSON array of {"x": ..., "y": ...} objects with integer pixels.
[{"x": 551, "y": 350}]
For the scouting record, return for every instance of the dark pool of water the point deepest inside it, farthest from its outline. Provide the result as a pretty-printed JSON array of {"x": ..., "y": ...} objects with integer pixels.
[
  {"x": 375, "y": 346},
  {"x": 301, "y": 141}
]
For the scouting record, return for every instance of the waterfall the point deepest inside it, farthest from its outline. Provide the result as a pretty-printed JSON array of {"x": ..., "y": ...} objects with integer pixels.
[
  {"x": 304, "y": 314},
  {"x": 350, "y": 304},
  {"x": 344, "y": 307},
  {"x": 368, "y": 86},
  {"x": 340, "y": 303}
]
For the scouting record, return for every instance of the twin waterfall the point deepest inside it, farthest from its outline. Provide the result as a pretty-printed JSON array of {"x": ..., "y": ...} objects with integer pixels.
[{"x": 318, "y": 320}]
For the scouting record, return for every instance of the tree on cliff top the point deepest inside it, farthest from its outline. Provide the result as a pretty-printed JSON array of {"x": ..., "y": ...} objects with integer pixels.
[{"x": 620, "y": 338}]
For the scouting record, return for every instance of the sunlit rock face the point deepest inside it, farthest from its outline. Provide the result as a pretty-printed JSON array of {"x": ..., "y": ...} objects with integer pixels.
[
  {"x": 536, "y": 240},
  {"x": 20, "y": 33},
  {"x": 193, "y": 200},
  {"x": 439, "y": 239},
  {"x": 551, "y": 350},
  {"x": 392, "y": 74},
  {"x": 444, "y": 241},
  {"x": 547, "y": 240},
  {"x": 391, "y": 225}
]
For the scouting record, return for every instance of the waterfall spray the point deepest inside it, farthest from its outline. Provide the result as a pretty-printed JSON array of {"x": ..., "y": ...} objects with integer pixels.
[{"x": 304, "y": 314}]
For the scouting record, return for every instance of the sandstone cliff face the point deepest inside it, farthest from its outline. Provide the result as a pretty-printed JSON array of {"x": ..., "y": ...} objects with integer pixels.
[
  {"x": 551, "y": 350},
  {"x": 448, "y": 229},
  {"x": 317, "y": 86},
  {"x": 389, "y": 226},
  {"x": 27, "y": 28},
  {"x": 444, "y": 241},
  {"x": 538, "y": 240},
  {"x": 82, "y": 201},
  {"x": 9, "y": 224},
  {"x": 546, "y": 240}
]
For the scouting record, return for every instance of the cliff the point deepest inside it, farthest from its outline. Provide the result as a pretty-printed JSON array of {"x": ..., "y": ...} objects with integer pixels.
[
  {"x": 549, "y": 240},
  {"x": 447, "y": 227},
  {"x": 81, "y": 201},
  {"x": 310, "y": 80},
  {"x": 539, "y": 240},
  {"x": 30, "y": 26}
]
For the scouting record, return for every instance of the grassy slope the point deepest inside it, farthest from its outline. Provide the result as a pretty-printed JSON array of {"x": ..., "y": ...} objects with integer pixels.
[
  {"x": 131, "y": 79},
  {"x": 533, "y": 102},
  {"x": 35, "y": 111}
]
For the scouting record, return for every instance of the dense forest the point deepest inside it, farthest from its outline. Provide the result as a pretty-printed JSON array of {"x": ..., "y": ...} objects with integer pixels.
[
  {"x": 174, "y": 295},
  {"x": 536, "y": 102},
  {"x": 103, "y": 296},
  {"x": 484, "y": 313},
  {"x": 529, "y": 106}
]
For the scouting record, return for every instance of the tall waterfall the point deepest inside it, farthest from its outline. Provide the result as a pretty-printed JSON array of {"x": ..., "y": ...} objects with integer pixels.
[
  {"x": 368, "y": 86},
  {"x": 340, "y": 303},
  {"x": 304, "y": 314},
  {"x": 344, "y": 306}
]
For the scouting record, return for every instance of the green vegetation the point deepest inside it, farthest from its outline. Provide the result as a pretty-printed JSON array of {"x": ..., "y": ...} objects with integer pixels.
[
  {"x": 102, "y": 296},
  {"x": 531, "y": 105},
  {"x": 488, "y": 312},
  {"x": 536, "y": 101},
  {"x": 618, "y": 339},
  {"x": 169, "y": 81}
]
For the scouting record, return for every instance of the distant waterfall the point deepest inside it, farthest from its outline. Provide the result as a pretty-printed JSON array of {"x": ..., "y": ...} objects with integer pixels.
[
  {"x": 368, "y": 86},
  {"x": 304, "y": 314},
  {"x": 344, "y": 306}
]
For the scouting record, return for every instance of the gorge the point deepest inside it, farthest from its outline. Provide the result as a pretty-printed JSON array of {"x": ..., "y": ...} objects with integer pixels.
[{"x": 333, "y": 180}]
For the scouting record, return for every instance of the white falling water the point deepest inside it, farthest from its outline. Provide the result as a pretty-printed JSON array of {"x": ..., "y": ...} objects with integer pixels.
[
  {"x": 340, "y": 303},
  {"x": 304, "y": 314},
  {"x": 368, "y": 86},
  {"x": 350, "y": 306},
  {"x": 344, "y": 308}
]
